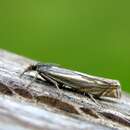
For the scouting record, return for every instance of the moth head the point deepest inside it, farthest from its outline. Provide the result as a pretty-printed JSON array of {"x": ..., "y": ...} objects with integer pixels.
[{"x": 32, "y": 67}]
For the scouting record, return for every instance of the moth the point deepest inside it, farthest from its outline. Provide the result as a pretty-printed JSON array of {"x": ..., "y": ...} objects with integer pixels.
[{"x": 92, "y": 85}]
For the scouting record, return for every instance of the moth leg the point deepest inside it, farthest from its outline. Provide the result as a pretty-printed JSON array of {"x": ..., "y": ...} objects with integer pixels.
[
  {"x": 28, "y": 86},
  {"x": 32, "y": 81},
  {"x": 47, "y": 78},
  {"x": 93, "y": 99}
]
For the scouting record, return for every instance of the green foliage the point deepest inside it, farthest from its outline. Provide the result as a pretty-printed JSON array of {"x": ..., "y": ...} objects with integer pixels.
[{"x": 88, "y": 35}]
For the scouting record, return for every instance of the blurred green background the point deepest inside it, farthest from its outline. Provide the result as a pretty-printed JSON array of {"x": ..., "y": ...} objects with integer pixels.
[{"x": 88, "y": 35}]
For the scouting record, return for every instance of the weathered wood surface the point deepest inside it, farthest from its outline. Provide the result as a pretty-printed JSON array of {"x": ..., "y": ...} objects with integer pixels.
[{"x": 41, "y": 107}]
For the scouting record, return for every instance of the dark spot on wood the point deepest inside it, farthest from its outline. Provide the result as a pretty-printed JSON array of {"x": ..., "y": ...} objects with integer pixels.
[
  {"x": 57, "y": 104},
  {"x": 5, "y": 90},
  {"x": 23, "y": 93},
  {"x": 90, "y": 111},
  {"x": 114, "y": 117}
]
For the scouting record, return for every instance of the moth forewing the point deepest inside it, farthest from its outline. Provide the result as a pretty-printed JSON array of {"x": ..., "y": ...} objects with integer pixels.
[{"x": 94, "y": 85}]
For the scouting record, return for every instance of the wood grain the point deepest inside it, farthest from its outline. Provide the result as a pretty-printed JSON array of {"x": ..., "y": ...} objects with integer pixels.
[{"x": 41, "y": 107}]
